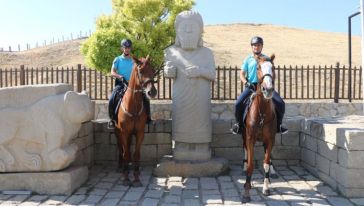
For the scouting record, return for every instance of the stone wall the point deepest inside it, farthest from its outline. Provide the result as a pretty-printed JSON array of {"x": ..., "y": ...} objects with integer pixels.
[
  {"x": 158, "y": 142},
  {"x": 333, "y": 150},
  {"x": 223, "y": 110},
  {"x": 85, "y": 144}
]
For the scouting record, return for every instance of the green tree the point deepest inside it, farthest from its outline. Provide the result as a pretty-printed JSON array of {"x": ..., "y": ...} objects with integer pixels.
[{"x": 148, "y": 23}]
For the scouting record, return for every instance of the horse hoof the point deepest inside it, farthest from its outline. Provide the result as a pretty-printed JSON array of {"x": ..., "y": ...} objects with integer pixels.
[
  {"x": 137, "y": 183},
  {"x": 266, "y": 192},
  {"x": 274, "y": 176},
  {"x": 126, "y": 182},
  {"x": 246, "y": 199}
]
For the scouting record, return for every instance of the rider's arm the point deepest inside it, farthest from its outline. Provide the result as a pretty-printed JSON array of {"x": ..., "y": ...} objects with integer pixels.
[
  {"x": 114, "y": 73},
  {"x": 243, "y": 76}
]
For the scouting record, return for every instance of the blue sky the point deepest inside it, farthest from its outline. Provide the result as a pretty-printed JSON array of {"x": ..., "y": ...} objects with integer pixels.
[{"x": 31, "y": 21}]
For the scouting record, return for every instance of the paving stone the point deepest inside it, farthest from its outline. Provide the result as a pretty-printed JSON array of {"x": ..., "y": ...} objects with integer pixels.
[
  {"x": 233, "y": 200},
  {"x": 277, "y": 203},
  {"x": 339, "y": 201},
  {"x": 229, "y": 192},
  {"x": 358, "y": 201},
  {"x": 172, "y": 199},
  {"x": 325, "y": 190},
  {"x": 150, "y": 202},
  {"x": 191, "y": 183},
  {"x": 115, "y": 194},
  {"x": 175, "y": 191},
  {"x": 190, "y": 194},
  {"x": 211, "y": 199},
  {"x": 17, "y": 199},
  {"x": 128, "y": 203},
  {"x": 93, "y": 199},
  {"x": 56, "y": 199},
  {"x": 104, "y": 185},
  {"x": 132, "y": 196},
  {"x": 211, "y": 192},
  {"x": 227, "y": 185},
  {"x": 154, "y": 194},
  {"x": 75, "y": 199},
  {"x": 191, "y": 202},
  {"x": 4, "y": 197},
  {"x": 97, "y": 191},
  {"x": 109, "y": 202}
]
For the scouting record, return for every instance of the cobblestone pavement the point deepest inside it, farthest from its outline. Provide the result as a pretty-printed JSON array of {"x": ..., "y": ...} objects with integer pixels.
[{"x": 295, "y": 186}]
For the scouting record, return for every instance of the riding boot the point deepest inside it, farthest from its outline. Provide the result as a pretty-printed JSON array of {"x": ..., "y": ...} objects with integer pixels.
[
  {"x": 147, "y": 109},
  {"x": 111, "y": 123},
  {"x": 280, "y": 128}
]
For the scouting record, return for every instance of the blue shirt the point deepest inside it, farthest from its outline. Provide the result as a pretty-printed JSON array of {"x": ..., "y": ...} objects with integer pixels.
[
  {"x": 123, "y": 66},
  {"x": 250, "y": 66}
]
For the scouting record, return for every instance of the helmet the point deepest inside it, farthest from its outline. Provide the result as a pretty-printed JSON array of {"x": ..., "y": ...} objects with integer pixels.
[
  {"x": 126, "y": 43},
  {"x": 256, "y": 40}
]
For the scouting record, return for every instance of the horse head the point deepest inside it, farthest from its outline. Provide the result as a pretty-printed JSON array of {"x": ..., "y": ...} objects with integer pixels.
[
  {"x": 146, "y": 76},
  {"x": 266, "y": 76}
]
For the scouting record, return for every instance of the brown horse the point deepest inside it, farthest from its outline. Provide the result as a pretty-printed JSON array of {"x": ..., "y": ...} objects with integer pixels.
[
  {"x": 132, "y": 117},
  {"x": 261, "y": 123}
]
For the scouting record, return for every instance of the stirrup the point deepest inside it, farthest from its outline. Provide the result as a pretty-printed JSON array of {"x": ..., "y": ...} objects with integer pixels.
[
  {"x": 236, "y": 129},
  {"x": 111, "y": 124},
  {"x": 282, "y": 130}
]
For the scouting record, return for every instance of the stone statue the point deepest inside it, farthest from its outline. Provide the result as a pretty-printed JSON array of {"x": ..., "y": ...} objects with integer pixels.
[
  {"x": 192, "y": 67},
  {"x": 37, "y": 136}
]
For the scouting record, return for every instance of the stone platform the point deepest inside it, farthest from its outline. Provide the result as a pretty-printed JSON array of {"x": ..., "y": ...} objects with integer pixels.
[
  {"x": 62, "y": 182},
  {"x": 333, "y": 150}
]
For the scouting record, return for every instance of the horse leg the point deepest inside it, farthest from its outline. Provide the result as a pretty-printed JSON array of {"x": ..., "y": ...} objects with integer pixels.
[
  {"x": 272, "y": 171},
  {"x": 124, "y": 147},
  {"x": 120, "y": 160},
  {"x": 266, "y": 166},
  {"x": 245, "y": 162},
  {"x": 249, "y": 171},
  {"x": 136, "y": 160}
]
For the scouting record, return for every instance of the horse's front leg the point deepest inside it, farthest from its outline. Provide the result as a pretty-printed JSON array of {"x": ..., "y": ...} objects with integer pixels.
[
  {"x": 266, "y": 165},
  {"x": 250, "y": 164},
  {"x": 136, "y": 159},
  {"x": 119, "y": 144},
  {"x": 124, "y": 148}
]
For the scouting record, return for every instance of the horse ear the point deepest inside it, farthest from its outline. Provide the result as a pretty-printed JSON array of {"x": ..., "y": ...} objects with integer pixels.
[
  {"x": 272, "y": 57},
  {"x": 136, "y": 60}
]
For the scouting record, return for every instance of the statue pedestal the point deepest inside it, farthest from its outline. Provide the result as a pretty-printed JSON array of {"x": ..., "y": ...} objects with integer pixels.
[
  {"x": 62, "y": 182},
  {"x": 184, "y": 168}
]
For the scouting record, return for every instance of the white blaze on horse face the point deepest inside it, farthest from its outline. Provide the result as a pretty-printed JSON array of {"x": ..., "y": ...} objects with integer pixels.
[{"x": 267, "y": 69}]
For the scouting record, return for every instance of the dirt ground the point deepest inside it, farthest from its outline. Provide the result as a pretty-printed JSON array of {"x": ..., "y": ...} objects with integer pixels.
[{"x": 230, "y": 44}]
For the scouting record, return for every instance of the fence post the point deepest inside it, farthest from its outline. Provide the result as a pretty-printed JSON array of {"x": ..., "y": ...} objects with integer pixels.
[
  {"x": 79, "y": 78},
  {"x": 22, "y": 75},
  {"x": 337, "y": 82}
]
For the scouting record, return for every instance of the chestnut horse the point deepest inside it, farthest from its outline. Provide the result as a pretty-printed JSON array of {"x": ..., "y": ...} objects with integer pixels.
[
  {"x": 132, "y": 117},
  {"x": 261, "y": 122}
]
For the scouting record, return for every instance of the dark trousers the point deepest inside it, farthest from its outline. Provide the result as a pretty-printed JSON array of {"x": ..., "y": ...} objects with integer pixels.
[{"x": 240, "y": 106}]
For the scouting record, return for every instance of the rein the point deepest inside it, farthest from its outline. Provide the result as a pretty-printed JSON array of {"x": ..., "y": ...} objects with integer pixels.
[{"x": 139, "y": 78}]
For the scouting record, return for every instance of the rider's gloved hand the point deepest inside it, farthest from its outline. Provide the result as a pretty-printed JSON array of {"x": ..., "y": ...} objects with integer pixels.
[{"x": 122, "y": 79}]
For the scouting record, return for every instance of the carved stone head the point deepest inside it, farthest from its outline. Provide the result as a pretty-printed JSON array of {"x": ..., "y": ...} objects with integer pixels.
[{"x": 189, "y": 28}]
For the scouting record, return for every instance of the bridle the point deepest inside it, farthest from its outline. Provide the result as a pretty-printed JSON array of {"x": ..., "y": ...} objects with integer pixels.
[{"x": 142, "y": 84}]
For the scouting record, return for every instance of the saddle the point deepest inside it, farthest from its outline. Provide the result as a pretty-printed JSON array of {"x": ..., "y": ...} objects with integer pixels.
[
  {"x": 116, "y": 100},
  {"x": 247, "y": 103}
]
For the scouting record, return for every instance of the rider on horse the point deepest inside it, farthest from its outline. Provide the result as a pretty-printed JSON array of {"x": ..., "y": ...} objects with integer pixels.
[
  {"x": 121, "y": 70},
  {"x": 248, "y": 75}
]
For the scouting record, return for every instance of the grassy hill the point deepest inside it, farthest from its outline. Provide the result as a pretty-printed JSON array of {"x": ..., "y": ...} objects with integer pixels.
[{"x": 230, "y": 44}]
